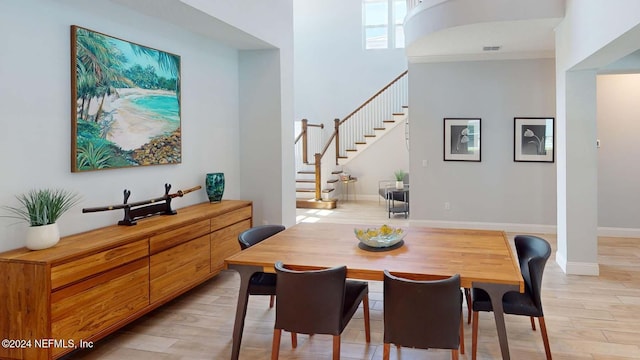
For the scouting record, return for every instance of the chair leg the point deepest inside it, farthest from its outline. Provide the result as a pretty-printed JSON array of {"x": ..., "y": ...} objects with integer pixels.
[
  {"x": 545, "y": 338},
  {"x": 467, "y": 297},
  {"x": 533, "y": 323},
  {"x": 474, "y": 336},
  {"x": 367, "y": 323},
  {"x": 386, "y": 349},
  {"x": 461, "y": 335},
  {"x": 294, "y": 340},
  {"x": 271, "y": 301},
  {"x": 454, "y": 354},
  {"x": 336, "y": 347},
  {"x": 275, "y": 345}
]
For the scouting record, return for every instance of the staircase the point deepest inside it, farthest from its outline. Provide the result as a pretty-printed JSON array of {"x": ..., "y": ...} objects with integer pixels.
[
  {"x": 369, "y": 139},
  {"x": 317, "y": 176}
]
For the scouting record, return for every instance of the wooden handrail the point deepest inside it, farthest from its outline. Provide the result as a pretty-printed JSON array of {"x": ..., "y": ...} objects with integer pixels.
[
  {"x": 334, "y": 135},
  {"x": 374, "y": 96}
]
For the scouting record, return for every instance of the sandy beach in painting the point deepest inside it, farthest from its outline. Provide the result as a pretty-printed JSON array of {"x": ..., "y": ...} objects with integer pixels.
[{"x": 132, "y": 126}]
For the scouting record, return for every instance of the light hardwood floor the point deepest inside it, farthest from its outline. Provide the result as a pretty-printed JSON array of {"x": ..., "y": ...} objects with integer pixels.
[{"x": 593, "y": 318}]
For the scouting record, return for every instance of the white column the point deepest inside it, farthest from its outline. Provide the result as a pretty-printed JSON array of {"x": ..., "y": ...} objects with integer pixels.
[{"x": 577, "y": 173}]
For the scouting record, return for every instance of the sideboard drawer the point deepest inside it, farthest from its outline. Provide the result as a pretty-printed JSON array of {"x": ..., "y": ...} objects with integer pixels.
[
  {"x": 179, "y": 267},
  {"x": 93, "y": 305},
  {"x": 70, "y": 272},
  {"x": 175, "y": 237},
  {"x": 224, "y": 243},
  {"x": 230, "y": 218}
]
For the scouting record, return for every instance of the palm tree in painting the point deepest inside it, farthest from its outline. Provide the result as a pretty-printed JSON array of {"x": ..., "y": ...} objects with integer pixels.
[
  {"x": 99, "y": 65},
  {"x": 166, "y": 61}
]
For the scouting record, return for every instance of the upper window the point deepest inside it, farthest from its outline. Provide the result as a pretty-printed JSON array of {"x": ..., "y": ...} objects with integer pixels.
[{"x": 382, "y": 23}]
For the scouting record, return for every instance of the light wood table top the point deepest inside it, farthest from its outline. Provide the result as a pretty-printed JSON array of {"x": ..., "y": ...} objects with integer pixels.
[
  {"x": 428, "y": 253},
  {"x": 483, "y": 258}
]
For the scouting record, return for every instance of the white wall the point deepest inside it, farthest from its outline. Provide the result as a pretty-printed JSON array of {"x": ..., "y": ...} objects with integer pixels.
[
  {"x": 260, "y": 111},
  {"x": 497, "y": 189},
  {"x": 268, "y": 20},
  {"x": 378, "y": 162},
  {"x": 36, "y": 115},
  {"x": 334, "y": 74},
  {"x": 593, "y": 34},
  {"x": 618, "y": 129},
  {"x": 591, "y": 25}
]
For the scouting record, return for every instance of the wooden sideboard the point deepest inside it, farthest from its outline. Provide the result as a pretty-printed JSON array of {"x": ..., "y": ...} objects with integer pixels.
[{"x": 90, "y": 284}]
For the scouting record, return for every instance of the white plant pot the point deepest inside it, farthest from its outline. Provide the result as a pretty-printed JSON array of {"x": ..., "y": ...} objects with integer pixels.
[
  {"x": 399, "y": 185},
  {"x": 42, "y": 237}
]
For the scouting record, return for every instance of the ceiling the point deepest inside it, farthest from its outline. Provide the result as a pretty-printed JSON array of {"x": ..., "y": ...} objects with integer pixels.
[
  {"x": 185, "y": 16},
  {"x": 515, "y": 40},
  {"x": 458, "y": 30}
]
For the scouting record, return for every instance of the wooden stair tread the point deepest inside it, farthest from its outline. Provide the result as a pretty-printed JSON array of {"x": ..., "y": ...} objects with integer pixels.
[
  {"x": 316, "y": 204},
  {"x": 308, "y": 190}
]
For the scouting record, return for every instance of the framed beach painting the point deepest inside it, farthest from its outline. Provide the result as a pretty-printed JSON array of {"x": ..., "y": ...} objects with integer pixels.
[
  {"x": 462, "y": 139},
  {"x": 125, "y": 103},
  {"x": 533, "y": 139}
]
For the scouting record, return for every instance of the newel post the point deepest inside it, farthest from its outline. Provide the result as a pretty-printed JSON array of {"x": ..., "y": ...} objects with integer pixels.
[
  {"x": 304, "y": 141},
  {"x": 336, "y": 128},
  {"x": 318, "y": 158}
]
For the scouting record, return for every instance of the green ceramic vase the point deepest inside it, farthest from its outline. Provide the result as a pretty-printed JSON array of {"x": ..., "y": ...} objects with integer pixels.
[{"x": 214, "y": 185}]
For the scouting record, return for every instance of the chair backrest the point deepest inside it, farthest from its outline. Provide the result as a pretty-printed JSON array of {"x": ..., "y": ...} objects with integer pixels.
[
  {"x": 256, "y": 234},
  {"x": 533, "y": 253},
  {"x": 310, "y": 302},
  {"x": 422, "y": 314}
]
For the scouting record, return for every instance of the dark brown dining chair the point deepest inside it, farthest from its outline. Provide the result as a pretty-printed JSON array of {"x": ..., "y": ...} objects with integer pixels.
[
  {"x": 317, "y": 302},
  {"x": 423, "y": 314},
  {"x": 260, "y": 283},
  {"x": 533, "y": 253}
]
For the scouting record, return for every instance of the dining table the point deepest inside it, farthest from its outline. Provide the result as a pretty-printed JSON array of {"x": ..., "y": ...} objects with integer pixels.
[{"x": 483, "y": 259}]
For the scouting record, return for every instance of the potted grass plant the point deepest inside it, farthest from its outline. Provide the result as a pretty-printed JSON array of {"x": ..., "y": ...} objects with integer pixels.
[
  {"x": 400, "y": 174},
  {"x": 41, "y": 209}
]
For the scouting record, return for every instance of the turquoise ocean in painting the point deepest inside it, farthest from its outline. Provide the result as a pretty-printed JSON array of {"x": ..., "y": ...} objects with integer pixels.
[{"x": 164, "y": 107}]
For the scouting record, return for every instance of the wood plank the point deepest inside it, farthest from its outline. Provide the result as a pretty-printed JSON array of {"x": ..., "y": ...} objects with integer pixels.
[
  {"x": 80, "y": 311},
  {"x": 231, "y": 217},
  {"x": 67, "y": 273},
  {"x": 175, "y": 237},
  {"x": 179, "y": 267},
  {"x": 477, "y": 255},
  {"x": 23, "y": 284},
  {"x": 224, "y": 243}
]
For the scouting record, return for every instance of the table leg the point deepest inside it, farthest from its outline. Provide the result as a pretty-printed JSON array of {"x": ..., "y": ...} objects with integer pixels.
[
  {"x": 496, "y": 291},
  {"x": 241, "y": 310}
]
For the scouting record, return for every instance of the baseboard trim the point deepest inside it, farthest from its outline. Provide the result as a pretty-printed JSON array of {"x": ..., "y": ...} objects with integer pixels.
[
  {"x": 508, "y": 227},
  {"x": 576, "y": 267},
  {"x": 619, "y": 232}
]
